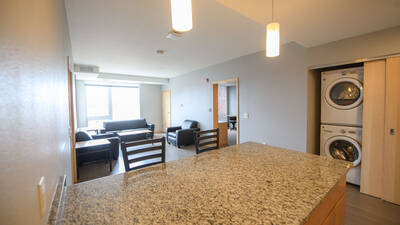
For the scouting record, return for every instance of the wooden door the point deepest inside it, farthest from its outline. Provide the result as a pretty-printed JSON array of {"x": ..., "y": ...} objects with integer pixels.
[
  {"x": 391, "y": 169},
  {"x": 373, "y": 137},
  {"x": 166, "y": 109}
]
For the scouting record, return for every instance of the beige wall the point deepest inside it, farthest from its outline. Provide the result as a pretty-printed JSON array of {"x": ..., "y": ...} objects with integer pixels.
[
  {"x": 375, "y": 44},
  {"x": 34, "y": 45},
  {"x": 280, "y": 94}
]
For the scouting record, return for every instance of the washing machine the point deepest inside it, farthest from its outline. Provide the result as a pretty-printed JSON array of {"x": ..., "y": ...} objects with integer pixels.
[
  {"x": 342, "y": 97},
  {"x": 343, "y": 143}
]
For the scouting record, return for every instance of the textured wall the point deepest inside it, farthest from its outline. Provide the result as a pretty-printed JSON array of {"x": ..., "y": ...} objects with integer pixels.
[{"x": 34, "y": 46}]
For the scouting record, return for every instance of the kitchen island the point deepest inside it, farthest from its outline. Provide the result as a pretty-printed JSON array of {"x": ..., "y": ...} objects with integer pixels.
[{"x": 248, "y": 183}]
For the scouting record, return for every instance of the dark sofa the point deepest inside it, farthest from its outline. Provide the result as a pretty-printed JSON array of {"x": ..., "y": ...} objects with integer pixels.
[
  {"x": 84, "y": 136},
  {"x": 182, "y": 135},
  {"x": 110, "y": 131},
  {"x": 113, "y": 127}
]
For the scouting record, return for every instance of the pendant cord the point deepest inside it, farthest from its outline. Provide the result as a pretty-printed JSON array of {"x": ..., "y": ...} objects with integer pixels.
[{"x": 272, "y": 10}]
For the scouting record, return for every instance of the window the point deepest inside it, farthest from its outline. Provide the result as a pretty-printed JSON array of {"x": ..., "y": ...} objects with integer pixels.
[{"x": 106, "y": 102}]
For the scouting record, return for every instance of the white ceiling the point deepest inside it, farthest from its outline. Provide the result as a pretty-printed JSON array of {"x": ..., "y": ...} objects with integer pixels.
[
  {"x": 315, "y": 22},
  {"x": 122, "y": 36}
]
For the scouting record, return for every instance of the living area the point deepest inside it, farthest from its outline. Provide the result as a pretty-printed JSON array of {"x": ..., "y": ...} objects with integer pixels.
[{"x": 109, "y": 113}]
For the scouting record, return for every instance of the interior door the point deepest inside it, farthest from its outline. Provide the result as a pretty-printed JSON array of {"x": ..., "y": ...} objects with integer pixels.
[
  {"x": 166, "y": 109},
  {"x": 373, "y": 133},
  {"x": 391, "y": 169}
]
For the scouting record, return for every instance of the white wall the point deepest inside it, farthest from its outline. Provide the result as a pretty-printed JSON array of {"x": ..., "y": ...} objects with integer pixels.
[
  {"x": 34, "y": 45},
  {"x": 80, "y": 95},
  {"x": 272, "y": 92},
  {"x": 231, "y": 100},
  {"x": 151, "y": 104}
]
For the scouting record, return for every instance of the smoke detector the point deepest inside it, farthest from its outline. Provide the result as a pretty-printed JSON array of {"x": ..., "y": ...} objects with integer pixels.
[{"x": 174, "y": 35}]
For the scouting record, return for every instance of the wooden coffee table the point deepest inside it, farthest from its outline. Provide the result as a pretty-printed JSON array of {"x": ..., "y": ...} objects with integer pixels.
[{"x": 87, "y": 148}]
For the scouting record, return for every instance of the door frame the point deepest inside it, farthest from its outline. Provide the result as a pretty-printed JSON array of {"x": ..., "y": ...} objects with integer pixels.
[
  {"x": 215, "y": 104},
  {"x": 71, "y": 102}
]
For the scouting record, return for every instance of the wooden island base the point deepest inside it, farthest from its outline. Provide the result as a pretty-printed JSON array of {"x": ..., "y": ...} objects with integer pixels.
[{"x": 332, "y": 209}]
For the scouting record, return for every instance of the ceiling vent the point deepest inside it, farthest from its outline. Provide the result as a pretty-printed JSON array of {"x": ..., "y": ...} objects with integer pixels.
[{"x": 79, "y": 68}]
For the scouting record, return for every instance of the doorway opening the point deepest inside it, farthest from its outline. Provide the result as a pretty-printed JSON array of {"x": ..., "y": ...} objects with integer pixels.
[{"x": 226, "y": 111}]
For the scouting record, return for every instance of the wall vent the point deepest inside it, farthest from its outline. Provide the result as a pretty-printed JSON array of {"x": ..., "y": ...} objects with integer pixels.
[{"x": 79, "y": 68}]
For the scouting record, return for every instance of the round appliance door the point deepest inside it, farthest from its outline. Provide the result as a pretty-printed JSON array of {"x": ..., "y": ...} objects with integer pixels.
[
  {"x": 344, "y": 93},
  {"x": 344, "y": 148}
]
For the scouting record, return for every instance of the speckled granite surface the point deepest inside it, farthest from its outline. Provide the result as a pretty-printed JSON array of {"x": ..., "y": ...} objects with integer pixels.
[{"x": 243, "y": 184}]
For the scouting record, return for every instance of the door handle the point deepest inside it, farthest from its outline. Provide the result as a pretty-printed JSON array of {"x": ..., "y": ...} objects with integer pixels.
[{"x": 392, "y": 131}]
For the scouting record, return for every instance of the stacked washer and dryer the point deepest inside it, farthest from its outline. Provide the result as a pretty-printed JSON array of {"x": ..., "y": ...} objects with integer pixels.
[{"x": 341, "y": 117}]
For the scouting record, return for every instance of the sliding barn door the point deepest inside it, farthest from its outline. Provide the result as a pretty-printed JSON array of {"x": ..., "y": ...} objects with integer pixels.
[
  {"x": 391, "y": 169},
  {"x": 373, "y": 128}
]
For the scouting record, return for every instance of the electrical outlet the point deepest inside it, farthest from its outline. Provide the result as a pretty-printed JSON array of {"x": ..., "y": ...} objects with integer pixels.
[
  {"x": 41, "y": 195},
  {"x": 245, "y": 115}
]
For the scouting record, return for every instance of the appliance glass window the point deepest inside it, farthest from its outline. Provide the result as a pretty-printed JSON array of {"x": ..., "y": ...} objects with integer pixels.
[
  {"x": 345, "y": 93},
  {"x": 344, "y": 150}
]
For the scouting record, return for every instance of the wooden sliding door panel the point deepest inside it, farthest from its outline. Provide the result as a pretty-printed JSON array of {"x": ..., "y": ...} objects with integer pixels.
[
  {"x": 373, "y": 128},
  {"x": 391, "y": 169}
]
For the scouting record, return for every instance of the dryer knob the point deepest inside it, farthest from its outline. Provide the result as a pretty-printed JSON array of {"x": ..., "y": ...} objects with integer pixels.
[{"x": 342, "y": 131}]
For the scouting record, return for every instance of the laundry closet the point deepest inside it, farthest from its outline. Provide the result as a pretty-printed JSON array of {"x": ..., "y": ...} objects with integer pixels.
[{"x": 354, "y": 115}]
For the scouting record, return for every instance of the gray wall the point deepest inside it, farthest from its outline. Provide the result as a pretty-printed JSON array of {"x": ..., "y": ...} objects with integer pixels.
[
  {"x": 231, "y": 100},
  {"x": 80, "y": 95},
  {"x": 272, "y": 90},
  {"x": 150, "y": 104},
  {"x": 269, "y": 91},
  {"x": 34, "y": 45}
]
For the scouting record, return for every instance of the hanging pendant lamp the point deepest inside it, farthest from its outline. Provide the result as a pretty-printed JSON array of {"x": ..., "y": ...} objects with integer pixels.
[
  {"x": 272, "y": 40},
  {"x": 181, "y": 13}
]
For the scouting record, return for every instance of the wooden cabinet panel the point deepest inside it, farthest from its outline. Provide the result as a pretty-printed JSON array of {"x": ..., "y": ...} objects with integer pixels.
[
  {"x": 391, "y": 169},
  {"x": 373, "y": 128},
  {"x": 332, "y": 209},
  {"x": 223, "y": 134}
]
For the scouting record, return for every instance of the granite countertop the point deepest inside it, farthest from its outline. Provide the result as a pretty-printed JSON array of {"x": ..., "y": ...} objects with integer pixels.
[{"x": 248, "y": 183}]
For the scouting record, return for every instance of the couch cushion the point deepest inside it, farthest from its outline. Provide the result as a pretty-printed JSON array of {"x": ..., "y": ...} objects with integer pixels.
[
  {"x": 172, "y": 134},
  {"x": 82, "y": 136},
  {"x": 124, "y": 125},
  {"x": 189, "y": 124}
]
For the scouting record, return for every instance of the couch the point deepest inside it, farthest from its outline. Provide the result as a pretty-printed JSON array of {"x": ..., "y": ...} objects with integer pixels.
[
  {"x": 182, "y": 135},
  {"x": 84, "y": 136},
  {"x": 113, "y": 127}
]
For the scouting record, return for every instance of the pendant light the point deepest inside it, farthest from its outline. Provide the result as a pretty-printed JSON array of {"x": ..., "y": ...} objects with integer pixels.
[
  {"x": 181, "y": 13},
  {"x": 272, "y": 37}
]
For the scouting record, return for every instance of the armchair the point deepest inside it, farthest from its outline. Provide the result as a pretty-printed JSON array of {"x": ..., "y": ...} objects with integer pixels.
[{"x": 182, "y": 135}]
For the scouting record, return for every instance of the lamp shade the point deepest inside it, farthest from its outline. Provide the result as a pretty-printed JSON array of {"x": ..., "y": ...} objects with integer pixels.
[
  {"x": 272, "y": 40},
  {"x": 181, "y": 13}
]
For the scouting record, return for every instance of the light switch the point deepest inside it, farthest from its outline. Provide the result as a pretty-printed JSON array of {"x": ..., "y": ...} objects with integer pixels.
[
  {"x": 245, "y": 115},
  {"x": 41, "y": 194}
]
